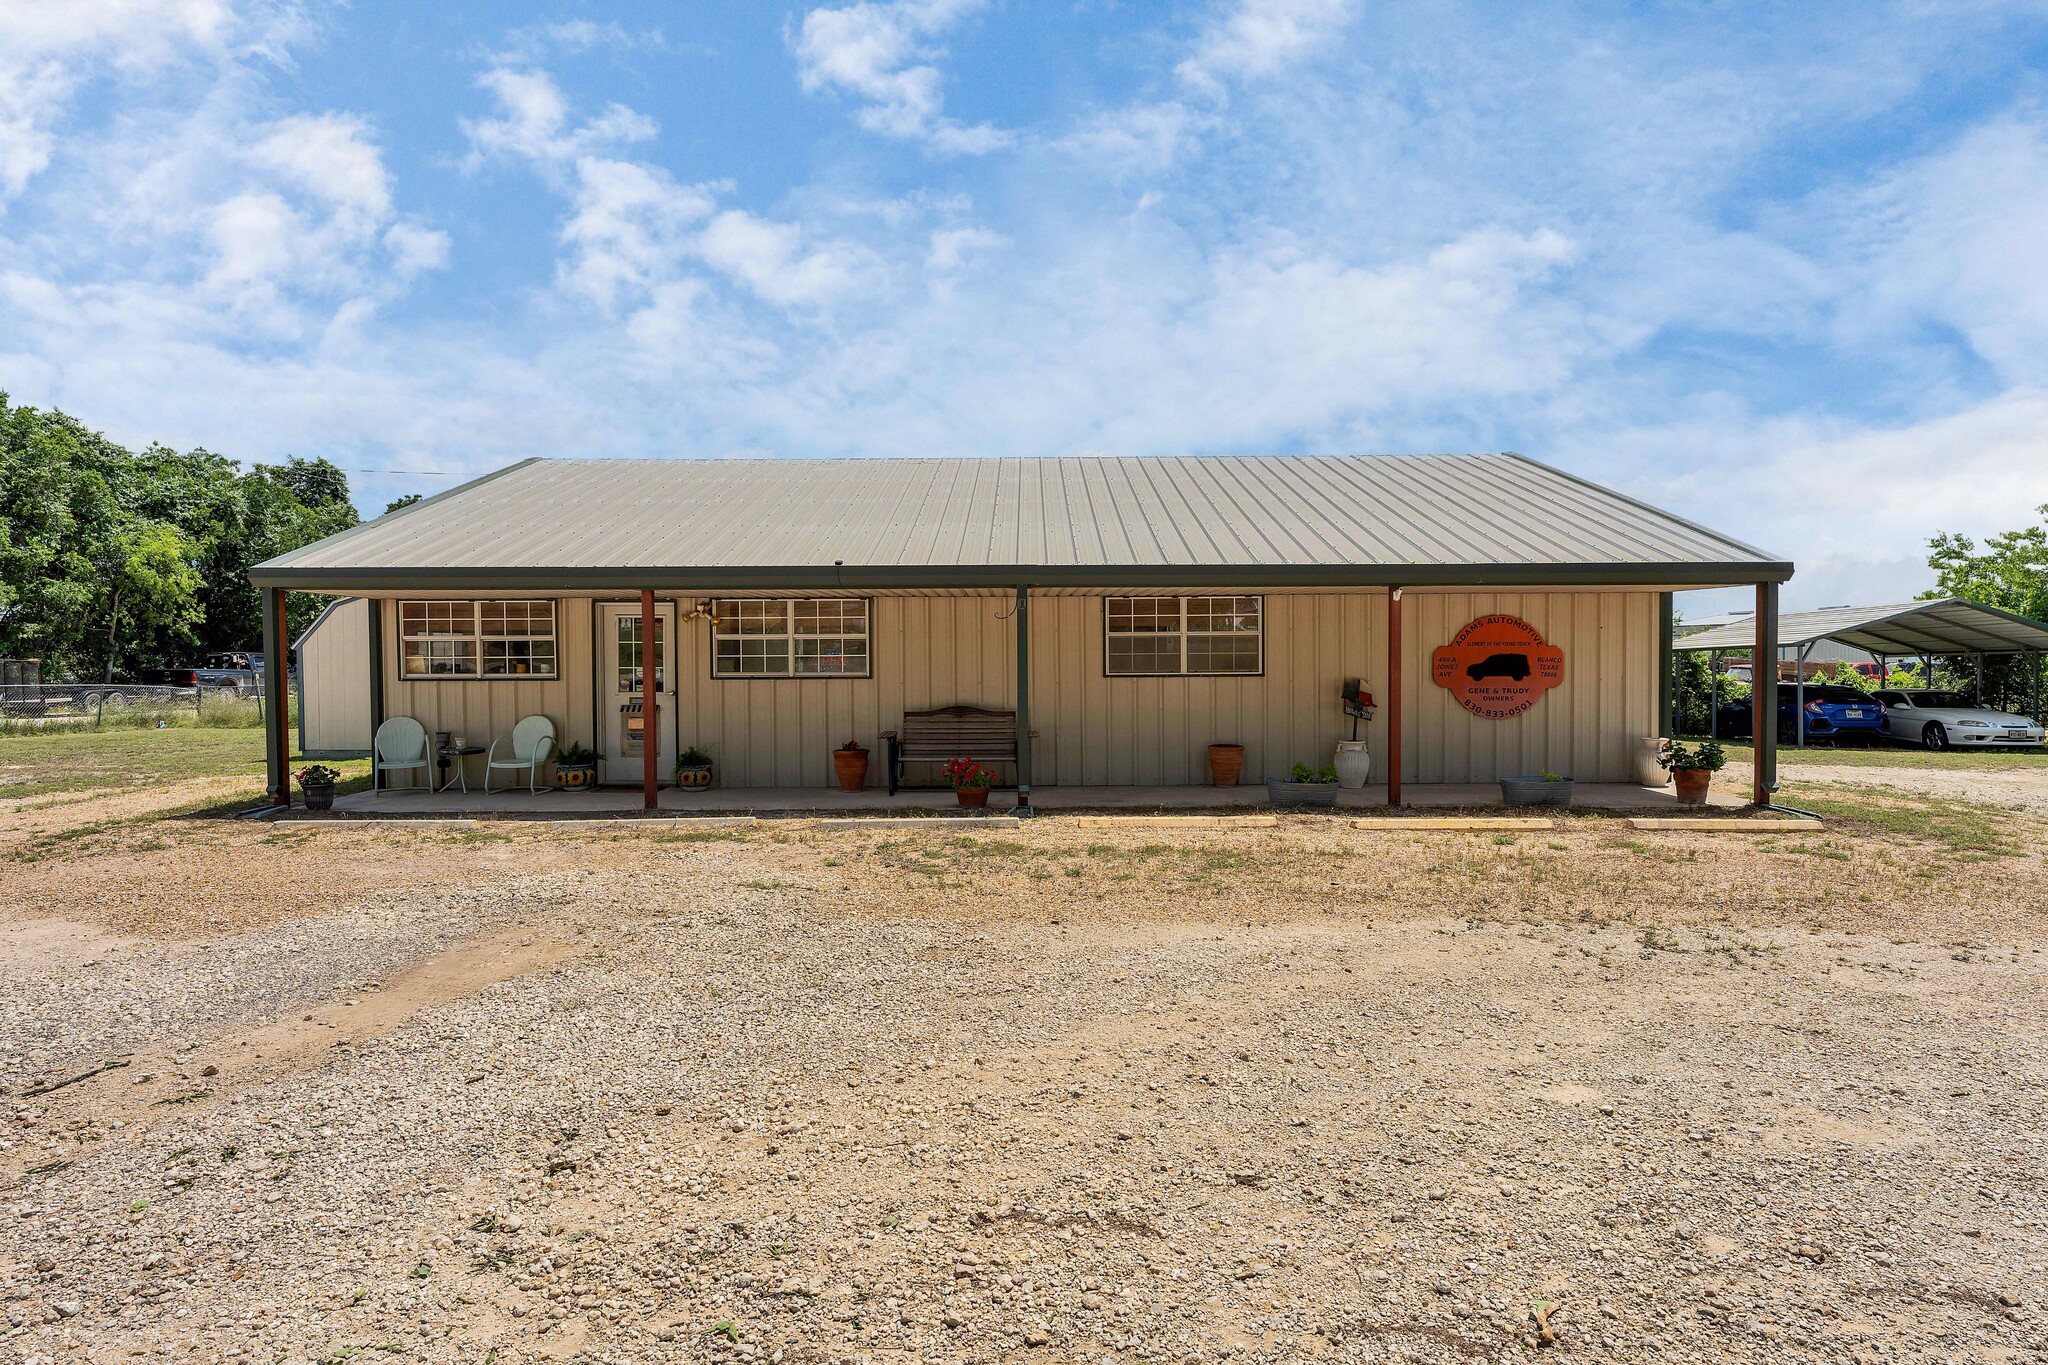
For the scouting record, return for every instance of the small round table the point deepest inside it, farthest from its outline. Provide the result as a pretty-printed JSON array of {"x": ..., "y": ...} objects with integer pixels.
[{"x": 449, "y": 753}]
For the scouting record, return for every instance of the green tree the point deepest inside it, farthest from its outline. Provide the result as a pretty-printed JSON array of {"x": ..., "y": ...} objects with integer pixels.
[
  {"x": 59, "y": 513},
  {"x": 150, "y": 590},
  {"x": 395, "y": 504},
  {"x": 88, "y": 532},
  {"x": 2010, "y": 572}
]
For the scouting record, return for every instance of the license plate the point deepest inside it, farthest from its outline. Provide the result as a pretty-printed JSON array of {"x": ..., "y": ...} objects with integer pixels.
[{"x": 1854, "y": 715}]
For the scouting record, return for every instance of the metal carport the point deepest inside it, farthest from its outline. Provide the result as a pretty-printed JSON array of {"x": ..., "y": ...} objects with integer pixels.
[{"x": 1946, "y": 627}]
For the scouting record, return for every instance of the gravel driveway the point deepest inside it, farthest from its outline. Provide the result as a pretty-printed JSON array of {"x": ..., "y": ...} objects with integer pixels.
[{"x": 1257, "y": 1097}]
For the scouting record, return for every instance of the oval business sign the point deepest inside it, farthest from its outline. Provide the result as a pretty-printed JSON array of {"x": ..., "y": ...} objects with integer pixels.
[{"x": 1498, "y": 666}]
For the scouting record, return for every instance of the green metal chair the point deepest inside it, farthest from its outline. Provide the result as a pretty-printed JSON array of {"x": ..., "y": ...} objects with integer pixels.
[
  {"x": 533, "y": 744},
  {"x": 400, "y": 745}
]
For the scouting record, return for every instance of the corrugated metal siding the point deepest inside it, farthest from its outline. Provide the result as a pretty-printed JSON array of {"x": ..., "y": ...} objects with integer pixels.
[
  {"x": 334, "y": 681},
  {"x": 1295, "y": 511},
  {"x": 1094, "y": 730},
  {"x": 481, "y": 711}
]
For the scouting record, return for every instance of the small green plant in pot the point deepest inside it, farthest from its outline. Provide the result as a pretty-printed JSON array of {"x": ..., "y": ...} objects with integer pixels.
[
  {"x": 576, "y": 768},
  {"x": 693, "y": 768},
  {"x": 317, "y": 781},
  {"x": 1304, "y": 786},
  {"x": 1544, "y": 789},
  {"x": 1693, "y": 767}
]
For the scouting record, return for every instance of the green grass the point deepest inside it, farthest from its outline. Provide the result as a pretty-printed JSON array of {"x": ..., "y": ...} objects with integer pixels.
[
  {"x": 1899, "y": 756},
  {"x": 1969, "y": 830},
  {"x": 53, "y": 761},
  {"x": 33, "y": 764}
]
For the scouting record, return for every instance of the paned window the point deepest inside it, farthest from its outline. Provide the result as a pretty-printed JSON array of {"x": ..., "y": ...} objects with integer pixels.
[
  {"x": 1181, "y": 635},
  {"x": 489, "y": 639},
  {"x": 824, "y": 637}
]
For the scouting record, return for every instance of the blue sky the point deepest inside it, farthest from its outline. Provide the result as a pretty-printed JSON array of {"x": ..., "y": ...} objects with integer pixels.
[{"x": 1781, "y": 268}]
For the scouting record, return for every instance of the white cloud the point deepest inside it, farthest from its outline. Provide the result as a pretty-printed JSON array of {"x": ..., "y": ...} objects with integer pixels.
[
  {"x": 331, "y": 157},
  {"x": 1260, "y": 37},
  {"x": 414, "y": 249},
  {"x": 950, "y": 247},
  {"x": 629, "y": 228},
  {"x": 881, "y": 52},
  {"x": 535, "y": 121},
  {"x": 47, "y": 48},
  {"x": 1852, "y": 504},
  {"x": 1956, "y": 239},
  {"x": 770, "y": 259}
]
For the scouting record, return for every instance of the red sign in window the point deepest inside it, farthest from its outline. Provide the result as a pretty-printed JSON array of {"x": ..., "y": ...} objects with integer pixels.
[{"x": 1498, "y": 666}]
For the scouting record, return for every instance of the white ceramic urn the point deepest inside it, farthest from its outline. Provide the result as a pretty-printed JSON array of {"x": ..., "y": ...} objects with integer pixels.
[{"x": 1354, "y": 764}]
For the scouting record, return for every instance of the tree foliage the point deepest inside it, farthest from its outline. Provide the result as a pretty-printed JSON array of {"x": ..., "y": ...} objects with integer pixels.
[
  {"x": 2010, "y": 572},
  {"x": 126, "y": 561}
]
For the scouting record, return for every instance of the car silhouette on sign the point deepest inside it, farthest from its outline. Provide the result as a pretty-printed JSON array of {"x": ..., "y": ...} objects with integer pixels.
[{"x": 1514, "y": 666}]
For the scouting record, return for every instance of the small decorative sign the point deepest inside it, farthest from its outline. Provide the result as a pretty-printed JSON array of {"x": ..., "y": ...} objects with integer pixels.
[{"x": 1498, "y": 666}]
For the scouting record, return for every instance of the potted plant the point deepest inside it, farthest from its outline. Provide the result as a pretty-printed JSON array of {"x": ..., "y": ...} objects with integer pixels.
[
  {"x": 317, "y": 781},
  {"x": 1693, "y": 767},
  {"x": 693, "y": 768},
  {"x": 1545, "y": 789},
  {"x": 576, "y": 768},
  {"x": 1304, "y": 786},
  {"x": 970, "y": 781},
  {"x": 850, "y": 762},
  {"x": 1226, "y": 762}
]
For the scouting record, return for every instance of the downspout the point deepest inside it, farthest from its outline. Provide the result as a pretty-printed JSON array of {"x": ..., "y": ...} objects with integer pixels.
[{"x": 1394, "y": 697}]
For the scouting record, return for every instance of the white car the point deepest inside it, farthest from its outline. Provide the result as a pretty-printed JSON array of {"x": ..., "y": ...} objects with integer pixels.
[{"x": 1950, "y": 720}]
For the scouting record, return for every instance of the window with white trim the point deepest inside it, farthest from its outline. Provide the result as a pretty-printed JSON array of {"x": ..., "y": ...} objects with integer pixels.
[
  {"x": 486, "y": 639},
  {"x": 803, "y": 637},
  {"x": 1149, "y": 636}
]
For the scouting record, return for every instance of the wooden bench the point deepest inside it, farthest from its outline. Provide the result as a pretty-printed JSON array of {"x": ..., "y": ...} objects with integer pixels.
[{"x": 945, "y": 733}]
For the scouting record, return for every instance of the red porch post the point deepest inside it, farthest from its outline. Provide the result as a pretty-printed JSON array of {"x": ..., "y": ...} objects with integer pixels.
[
  {"x": 650, "y": 721},
  {"x": 1394, "y": 697}
]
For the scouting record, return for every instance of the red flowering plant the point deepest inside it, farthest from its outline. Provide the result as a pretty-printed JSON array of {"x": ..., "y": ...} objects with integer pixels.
[{"x": 965, "y": 772}]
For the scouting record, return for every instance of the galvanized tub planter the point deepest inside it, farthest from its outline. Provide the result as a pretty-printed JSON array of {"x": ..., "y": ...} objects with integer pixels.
[
  {"x": 1536, "y": 791},
  {"x": 1283, "y": 793}
]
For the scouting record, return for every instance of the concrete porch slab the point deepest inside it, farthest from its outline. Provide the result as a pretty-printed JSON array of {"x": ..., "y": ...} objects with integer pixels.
[{"x": 1154, "y": 801}]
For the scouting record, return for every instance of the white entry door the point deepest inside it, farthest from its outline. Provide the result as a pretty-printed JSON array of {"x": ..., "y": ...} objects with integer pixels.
[{"x": 619, "y": 722}]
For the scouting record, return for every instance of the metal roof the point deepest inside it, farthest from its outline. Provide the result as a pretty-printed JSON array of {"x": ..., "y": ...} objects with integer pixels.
[
  {"x": 1088, "y": 521},
  {"x": 1948, "y": 625}
]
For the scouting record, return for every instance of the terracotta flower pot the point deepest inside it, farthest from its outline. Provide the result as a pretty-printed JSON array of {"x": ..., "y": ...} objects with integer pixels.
[
  {"x": 1226, "y": 761},
  {"x": 972, "y": 796},
  {"x": 1692, "y": 785},
  {"x": 852, "y": 767}
]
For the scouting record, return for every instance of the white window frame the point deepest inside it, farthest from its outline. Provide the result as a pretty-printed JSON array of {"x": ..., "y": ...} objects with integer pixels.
[
  {"x": 791, "y": 636},
  {"x": 1181, "y": 634},
  {"x": 477, "y": 638}
]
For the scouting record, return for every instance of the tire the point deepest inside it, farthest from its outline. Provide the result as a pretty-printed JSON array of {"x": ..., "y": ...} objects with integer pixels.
[
  {"x": 1935, "y": 737},
  {"x": 88, "y": 701},
  {"x": 117, "y": 699}
]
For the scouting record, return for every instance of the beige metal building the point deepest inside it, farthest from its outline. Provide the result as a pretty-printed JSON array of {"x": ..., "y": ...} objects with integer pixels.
[
  {"x": 334, "y": 681},
  {"x": 1130, "y": 611}
]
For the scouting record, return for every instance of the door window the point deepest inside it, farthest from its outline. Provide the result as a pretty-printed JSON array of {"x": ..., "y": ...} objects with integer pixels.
[{"x": 629, "y": 654}]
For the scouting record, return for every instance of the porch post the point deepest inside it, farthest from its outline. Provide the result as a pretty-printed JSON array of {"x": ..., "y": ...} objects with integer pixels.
[
  {"x": 1023, "y": 616},
  {"x": 376, "y": 606},
  {"x": 650, "y": 727},
  {"x": 277, "y": 753},
  {"x": 1667, "y": 664},
  {"x": 1764, "y": 697},
  {"x": 1394, "y": 697}
]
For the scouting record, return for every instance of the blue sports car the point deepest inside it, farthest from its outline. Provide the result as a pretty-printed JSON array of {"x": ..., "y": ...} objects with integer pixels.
[{"x": 1832, "y": 712}]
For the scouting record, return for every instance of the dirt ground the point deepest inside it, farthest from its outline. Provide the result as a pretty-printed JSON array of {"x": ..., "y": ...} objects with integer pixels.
[{"x": 1066, "y": 1093}]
